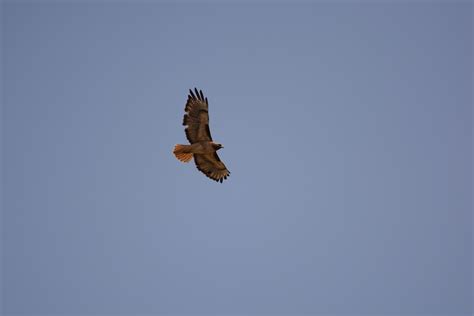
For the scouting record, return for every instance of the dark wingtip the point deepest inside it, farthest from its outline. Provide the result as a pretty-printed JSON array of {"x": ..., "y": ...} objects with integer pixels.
[
  {"x": 197, "y": 93},
  {"x": 191, "y": 94}
]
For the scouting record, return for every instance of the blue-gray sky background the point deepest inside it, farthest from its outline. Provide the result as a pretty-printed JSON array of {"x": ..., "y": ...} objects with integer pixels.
[{"x": 347, "y": 128}]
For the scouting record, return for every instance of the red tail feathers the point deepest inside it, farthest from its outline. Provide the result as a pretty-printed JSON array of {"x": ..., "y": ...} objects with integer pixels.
[{"x": 182, "y": 153}]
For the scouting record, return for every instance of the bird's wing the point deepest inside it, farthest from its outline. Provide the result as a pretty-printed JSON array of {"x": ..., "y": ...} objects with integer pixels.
[
  {"x": 197, "y": 118},
  {"x": 211, "y": 166}
]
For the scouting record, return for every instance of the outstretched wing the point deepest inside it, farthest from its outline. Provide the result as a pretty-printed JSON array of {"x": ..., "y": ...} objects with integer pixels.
[
  {"x": 197, "y": 118},
  {"x": 211, "y": 166}
]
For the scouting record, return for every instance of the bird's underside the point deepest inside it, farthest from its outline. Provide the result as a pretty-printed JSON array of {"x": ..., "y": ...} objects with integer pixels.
[
  {"x": 185, "y": 152},
  {"x": 201, "y": 148}
]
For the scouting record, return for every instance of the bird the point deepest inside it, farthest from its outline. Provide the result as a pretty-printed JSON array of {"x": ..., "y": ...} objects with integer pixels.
[{"x": 201, "y": 148}]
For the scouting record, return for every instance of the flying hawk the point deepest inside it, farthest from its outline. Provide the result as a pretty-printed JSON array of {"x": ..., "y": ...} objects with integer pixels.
[{"x": 202, "y": 148}]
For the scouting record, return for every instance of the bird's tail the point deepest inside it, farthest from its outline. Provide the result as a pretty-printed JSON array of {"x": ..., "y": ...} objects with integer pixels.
[{"x": 182, "y": 153}]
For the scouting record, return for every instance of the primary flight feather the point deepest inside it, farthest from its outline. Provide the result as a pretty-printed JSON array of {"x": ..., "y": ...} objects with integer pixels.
[{"x": 201, "y": 148}]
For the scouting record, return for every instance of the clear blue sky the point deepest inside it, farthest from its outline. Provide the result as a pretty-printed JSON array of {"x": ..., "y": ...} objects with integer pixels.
[{"x": 347, "y": 128}]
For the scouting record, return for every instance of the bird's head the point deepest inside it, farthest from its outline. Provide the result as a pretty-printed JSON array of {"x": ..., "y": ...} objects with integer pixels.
[{"x": 217, "y": 146}]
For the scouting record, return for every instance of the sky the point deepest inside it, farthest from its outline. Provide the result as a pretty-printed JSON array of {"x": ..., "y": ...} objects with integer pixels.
[{"x": 347, "y": 127}]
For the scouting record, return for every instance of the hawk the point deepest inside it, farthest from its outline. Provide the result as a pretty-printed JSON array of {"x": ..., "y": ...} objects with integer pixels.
[{"x": 202, "y": 148}]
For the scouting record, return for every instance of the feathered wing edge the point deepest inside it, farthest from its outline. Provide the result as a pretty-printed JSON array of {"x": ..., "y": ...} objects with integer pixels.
[
  {"x": 211, "y": 166},
  {"x": 195, "y": 105}
]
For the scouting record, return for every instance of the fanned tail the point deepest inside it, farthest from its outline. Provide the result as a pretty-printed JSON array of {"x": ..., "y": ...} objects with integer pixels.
[{"x": 182, "y": 153}]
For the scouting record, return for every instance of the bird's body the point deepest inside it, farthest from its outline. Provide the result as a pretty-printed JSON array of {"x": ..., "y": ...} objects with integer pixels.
[{"x": 202, "y": 148}]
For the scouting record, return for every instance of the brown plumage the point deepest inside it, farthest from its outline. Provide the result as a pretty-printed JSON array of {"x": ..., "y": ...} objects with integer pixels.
[{"x": 202, "y": 148}]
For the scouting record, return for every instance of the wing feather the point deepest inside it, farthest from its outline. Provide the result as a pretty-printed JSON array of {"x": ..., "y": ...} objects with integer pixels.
[
  {"x": 197, "y": 118},
  {"x": 211, "y": 166}
]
